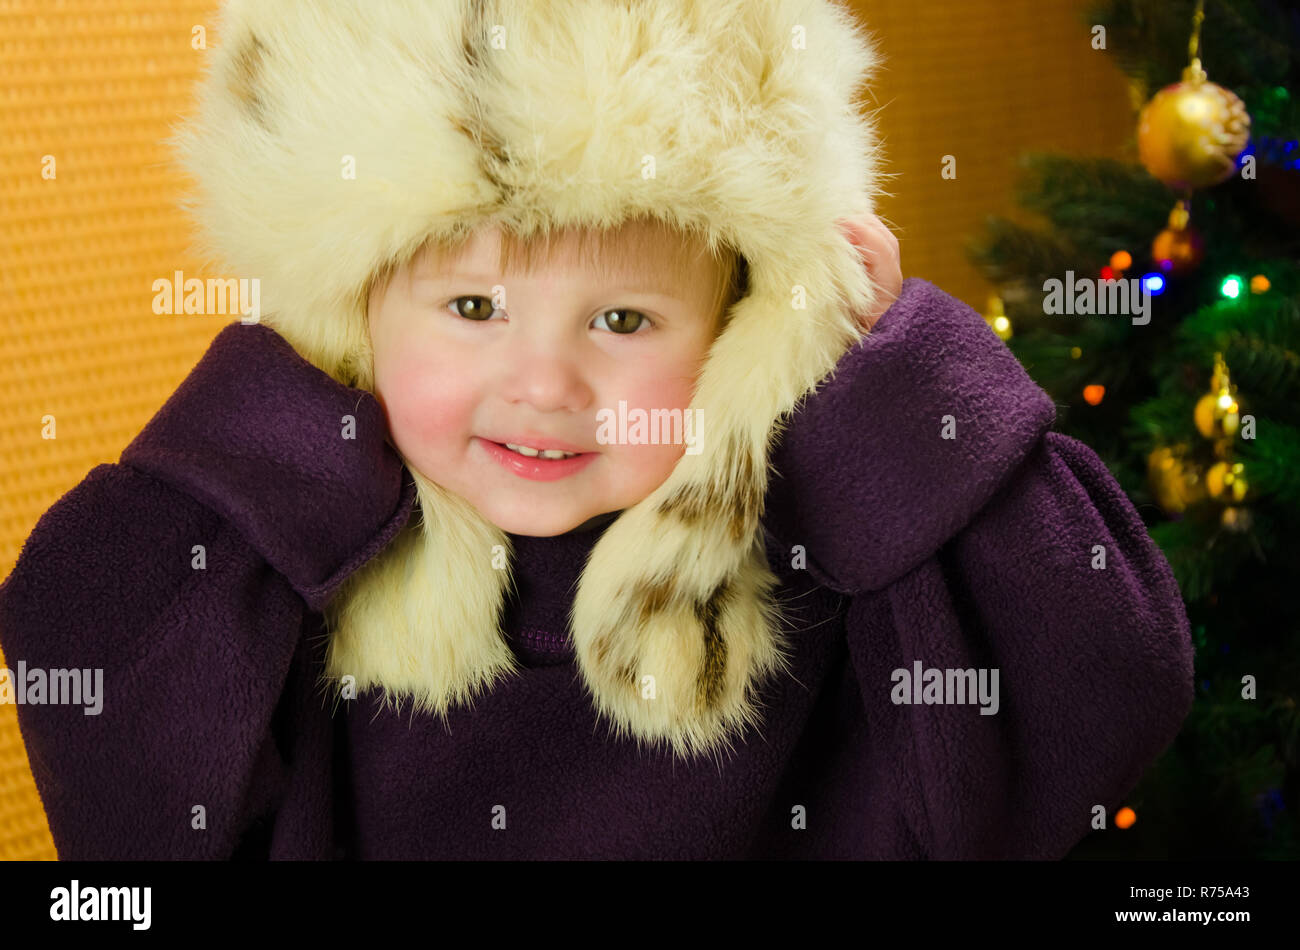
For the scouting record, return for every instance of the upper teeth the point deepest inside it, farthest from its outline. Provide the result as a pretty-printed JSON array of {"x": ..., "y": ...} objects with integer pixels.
[{"x": 544, "y": 453}]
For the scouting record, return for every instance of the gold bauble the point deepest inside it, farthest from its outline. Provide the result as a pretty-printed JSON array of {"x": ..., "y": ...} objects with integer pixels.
[
  {"x": 1236, "y": 520},
  {"x": 1226, "y": 481},
  {"x": 1190, "y": 133},
  {"x": 1173, "y": 482},
  {"x": 1217, "y": 415},
  {"x": 1182, "y": 249}
]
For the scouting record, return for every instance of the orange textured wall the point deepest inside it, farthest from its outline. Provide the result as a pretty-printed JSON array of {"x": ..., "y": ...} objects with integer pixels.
[{"x": 87, "y": 212}]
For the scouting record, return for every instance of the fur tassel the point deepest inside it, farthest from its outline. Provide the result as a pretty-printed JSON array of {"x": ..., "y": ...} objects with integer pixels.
[{"x": 420, "y": 620}]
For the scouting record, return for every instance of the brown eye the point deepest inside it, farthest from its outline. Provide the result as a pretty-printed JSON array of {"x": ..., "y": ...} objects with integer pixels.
[
  {"x": 624, "y": 322},
  {"x": 472, "y": 308}
]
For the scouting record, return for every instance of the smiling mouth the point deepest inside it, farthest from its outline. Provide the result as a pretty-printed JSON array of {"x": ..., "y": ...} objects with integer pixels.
[
  {"x": 536, "y": 467},
  {"x": 545, "y": 455}
]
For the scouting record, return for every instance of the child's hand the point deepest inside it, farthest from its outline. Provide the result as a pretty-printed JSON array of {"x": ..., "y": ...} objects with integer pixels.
[{"x": 879, "y": 249}]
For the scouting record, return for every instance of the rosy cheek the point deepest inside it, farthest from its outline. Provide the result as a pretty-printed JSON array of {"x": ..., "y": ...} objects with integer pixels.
[
  {"x": 664, "y": 391},
  {"x": 428, "y": 401},
  {"x": 658, "y": 390}
]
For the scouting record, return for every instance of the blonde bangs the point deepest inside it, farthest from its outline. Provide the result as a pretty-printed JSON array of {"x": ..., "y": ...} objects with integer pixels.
[{"x": 644, "y": 247}]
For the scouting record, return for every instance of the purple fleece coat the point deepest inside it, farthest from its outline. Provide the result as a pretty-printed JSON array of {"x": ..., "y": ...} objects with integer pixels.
[{"x": 894, "y": 546}]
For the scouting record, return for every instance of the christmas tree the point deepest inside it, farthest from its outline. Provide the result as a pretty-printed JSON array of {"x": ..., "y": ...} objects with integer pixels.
[{"x": 1195, "y": 404}]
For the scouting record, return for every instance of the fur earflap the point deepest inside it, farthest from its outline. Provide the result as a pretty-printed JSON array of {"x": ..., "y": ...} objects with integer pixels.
[{"x": 333, "y": 138}]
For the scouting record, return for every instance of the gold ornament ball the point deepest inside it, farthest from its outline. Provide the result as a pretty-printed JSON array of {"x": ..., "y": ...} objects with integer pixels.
[
  {"x": 1226, "y": 481},
  {"x": 1175, "y": 485},
  {"x": 1190, "y": 133},
  {"x": 1183, "y": 249},
  {"x": 1216, "y": 415},
  {"x": 1236, "y": 520}
]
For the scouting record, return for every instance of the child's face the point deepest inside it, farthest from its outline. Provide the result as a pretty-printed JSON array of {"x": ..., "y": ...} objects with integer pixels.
[{"x": 456, "y": 376}]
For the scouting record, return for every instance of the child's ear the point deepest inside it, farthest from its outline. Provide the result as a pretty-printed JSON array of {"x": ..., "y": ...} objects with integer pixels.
[{"x": 877, "y": 246}]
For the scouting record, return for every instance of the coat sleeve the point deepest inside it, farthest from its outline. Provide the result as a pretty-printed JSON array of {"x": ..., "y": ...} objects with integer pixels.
[
  {"x": 191, "y": 664},
  {"x": 178, "y": 581},
  {"x": 1058, "y": 587},
  {"x": 924, "y": 482}
]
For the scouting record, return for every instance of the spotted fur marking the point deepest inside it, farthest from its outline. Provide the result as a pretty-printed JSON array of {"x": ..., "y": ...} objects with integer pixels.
[
  {"x": 693, "y": 504},
  {"x": 493, "y": 156},
  {"x": 654, "y": 598},
  {"x": 712, "y": 673},
  {"x": 245, "y": 78}
]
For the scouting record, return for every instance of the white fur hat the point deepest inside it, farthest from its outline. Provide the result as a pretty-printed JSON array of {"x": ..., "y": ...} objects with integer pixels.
[{"x": 733, "y": 119}]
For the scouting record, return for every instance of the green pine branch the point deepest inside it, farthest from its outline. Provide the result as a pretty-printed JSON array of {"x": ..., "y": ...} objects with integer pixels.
[{"x": 1272, "y": 462}]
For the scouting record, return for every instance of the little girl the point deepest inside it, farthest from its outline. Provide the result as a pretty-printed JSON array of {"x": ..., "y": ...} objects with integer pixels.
[{"x": 582, "y": 494}]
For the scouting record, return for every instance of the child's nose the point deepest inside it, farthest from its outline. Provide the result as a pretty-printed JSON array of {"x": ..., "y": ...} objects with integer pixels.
[{"x": 546, "y": 374}]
